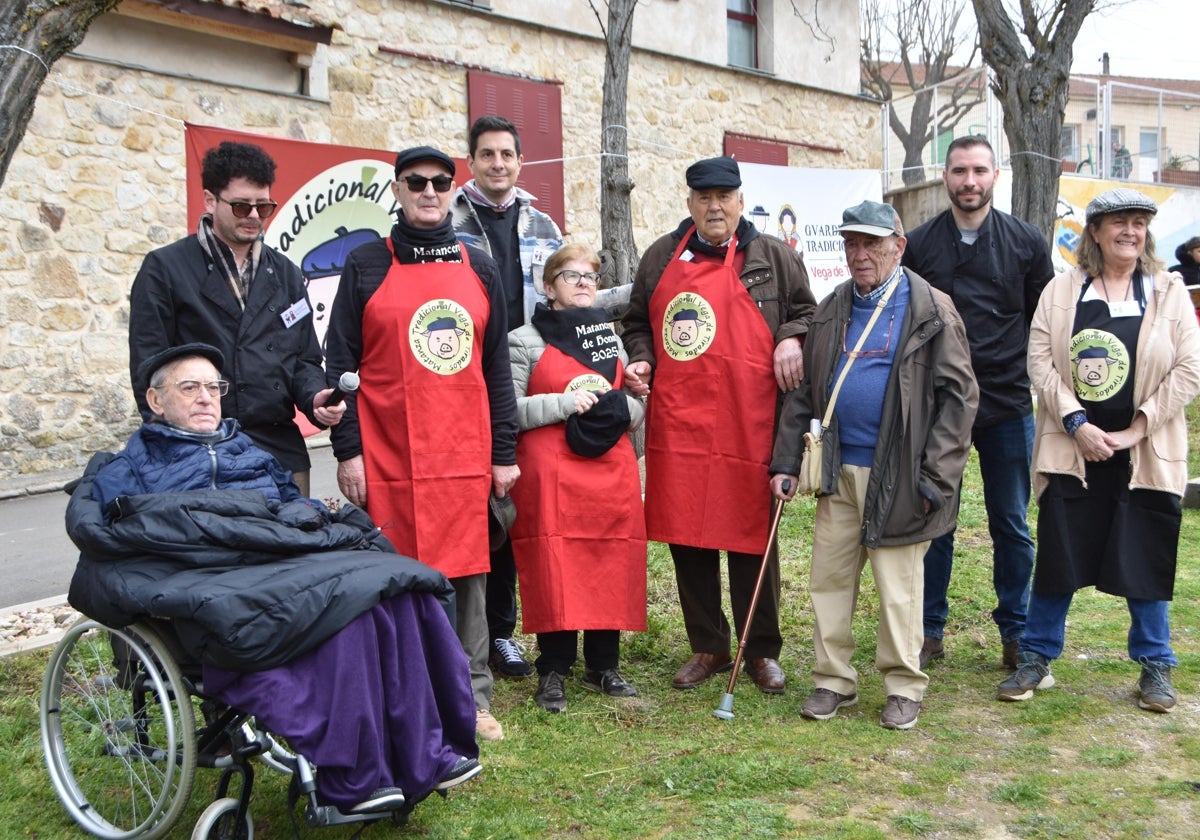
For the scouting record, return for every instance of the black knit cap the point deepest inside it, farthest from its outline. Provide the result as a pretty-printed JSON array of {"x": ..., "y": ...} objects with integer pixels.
[
  {"x": 502, "y": 513},
  {"x": 598, "y": 429},
  {"x": 417, "y": 154},
  {"x": 163, "y": 357},
  {"x": 719, "y": 173}
]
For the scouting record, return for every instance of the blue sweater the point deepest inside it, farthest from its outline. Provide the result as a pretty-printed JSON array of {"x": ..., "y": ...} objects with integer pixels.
[{"x": 859, "y": 405}]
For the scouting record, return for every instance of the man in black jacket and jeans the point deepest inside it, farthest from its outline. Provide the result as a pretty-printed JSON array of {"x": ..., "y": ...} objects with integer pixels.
[
  {"x": 994, "y": 267},
  {"x": 222, "y": 286}
]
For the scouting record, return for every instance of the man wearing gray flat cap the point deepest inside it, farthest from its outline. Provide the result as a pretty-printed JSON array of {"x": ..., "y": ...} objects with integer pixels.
[
  {"x": 889, "y": 353},
  {"x": 432, "y": 429},
  {"x": 714, "y": 396}
]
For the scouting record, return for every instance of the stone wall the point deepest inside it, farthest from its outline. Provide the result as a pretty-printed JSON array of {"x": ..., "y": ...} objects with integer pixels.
[{"x": 99, "y": 179}]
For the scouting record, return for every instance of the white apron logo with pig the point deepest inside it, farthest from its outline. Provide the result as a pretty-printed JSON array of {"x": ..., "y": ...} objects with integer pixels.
[
  {"x": 442, "y": 336},
  {"x": 1100, "y": 364},
  {"x": 689, "y": 326}
]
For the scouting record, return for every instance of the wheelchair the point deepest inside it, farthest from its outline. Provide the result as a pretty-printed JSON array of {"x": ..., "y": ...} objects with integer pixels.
[{"x": 124, "y": 727}]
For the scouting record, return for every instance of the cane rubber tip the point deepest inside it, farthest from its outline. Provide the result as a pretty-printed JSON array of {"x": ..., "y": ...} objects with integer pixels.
[{"x": 725, "y": 710}]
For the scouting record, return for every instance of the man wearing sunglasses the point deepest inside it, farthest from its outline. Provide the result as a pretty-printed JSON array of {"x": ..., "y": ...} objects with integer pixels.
[
  {"x": 430, "y": 432},
  {"x": 222, "y": 286}
]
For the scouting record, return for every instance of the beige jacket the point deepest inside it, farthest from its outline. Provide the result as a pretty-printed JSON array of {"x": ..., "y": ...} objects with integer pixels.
[{"x": 1166, "y": 379}]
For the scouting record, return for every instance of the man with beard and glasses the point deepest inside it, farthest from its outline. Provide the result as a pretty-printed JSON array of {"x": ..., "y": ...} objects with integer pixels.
[
  {"x": 431, "y": 432},
  {"x": 222, "y": 286},
  {"x": 994, "y": 267}
]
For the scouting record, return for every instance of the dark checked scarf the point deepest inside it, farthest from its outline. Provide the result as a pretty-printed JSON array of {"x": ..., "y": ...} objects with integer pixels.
[{"x": 216, "y": 251}]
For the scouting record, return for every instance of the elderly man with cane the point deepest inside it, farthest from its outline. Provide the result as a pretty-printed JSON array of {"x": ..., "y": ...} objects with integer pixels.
[
  {"x": 716, "y": 318},
  {"x": 893, "y": 416}
]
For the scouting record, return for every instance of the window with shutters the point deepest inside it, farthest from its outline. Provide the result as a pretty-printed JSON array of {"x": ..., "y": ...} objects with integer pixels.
[
  {"x": 742, "y": 16},
  {"x": 535, "y": 108},
  {"x": 747, "y": 150}
]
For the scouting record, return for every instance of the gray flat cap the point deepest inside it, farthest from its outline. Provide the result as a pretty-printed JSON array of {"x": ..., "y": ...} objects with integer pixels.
[
  {"x": 870, "y": 217},
  {"x": 1118, "y": 200}
]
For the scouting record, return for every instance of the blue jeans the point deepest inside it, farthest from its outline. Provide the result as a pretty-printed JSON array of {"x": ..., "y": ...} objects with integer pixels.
[
  {"x": 1005, "y": 451},
  {"x": 1149, "y": 628}
]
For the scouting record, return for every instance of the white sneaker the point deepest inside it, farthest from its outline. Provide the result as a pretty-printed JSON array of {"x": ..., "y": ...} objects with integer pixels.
[{"x": 487, "y": 728}]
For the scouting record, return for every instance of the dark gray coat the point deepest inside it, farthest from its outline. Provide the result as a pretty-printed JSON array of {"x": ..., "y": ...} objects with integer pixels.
[
  {"x": 180, "y": 296},
  {"x": 925, "y": 431},
  {"x": 247, "y": 590}
]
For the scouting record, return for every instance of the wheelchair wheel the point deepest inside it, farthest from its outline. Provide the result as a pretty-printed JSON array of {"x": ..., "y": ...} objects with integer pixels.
[
  {"x": 119, "y": 739},
  {"x": 219, "y": 822}
]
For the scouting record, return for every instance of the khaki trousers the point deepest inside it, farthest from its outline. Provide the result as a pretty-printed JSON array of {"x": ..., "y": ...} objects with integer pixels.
[{"x": 837, "y": 564}]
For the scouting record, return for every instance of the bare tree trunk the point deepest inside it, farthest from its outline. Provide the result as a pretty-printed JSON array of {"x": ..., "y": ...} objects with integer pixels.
[
  {"x": 911, "y": 43},
  {"x": 1032, "y": 84},
  {"x": 616, "y": 218},
  {"x": 34, "y": 35}
]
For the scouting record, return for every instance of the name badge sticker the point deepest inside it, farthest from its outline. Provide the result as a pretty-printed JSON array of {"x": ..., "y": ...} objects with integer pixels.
[
  {"x": 1124, "y": 309},
  {"x": 295, "y": 313},
  {"x": 687, "y": 256}
]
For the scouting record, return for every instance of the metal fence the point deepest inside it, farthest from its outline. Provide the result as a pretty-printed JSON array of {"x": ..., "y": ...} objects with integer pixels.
[{"x": 1111, "y": 129}]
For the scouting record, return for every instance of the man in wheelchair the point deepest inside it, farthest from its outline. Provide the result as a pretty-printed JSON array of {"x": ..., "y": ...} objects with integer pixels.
[{"x": 304, "y": 618}]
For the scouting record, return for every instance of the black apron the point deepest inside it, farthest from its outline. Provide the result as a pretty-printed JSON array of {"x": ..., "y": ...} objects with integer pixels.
[{"x": 1122, "y": 541}]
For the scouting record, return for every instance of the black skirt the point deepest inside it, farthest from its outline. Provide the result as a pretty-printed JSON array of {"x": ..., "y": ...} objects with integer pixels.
[{"x": 1122, "y": 541}]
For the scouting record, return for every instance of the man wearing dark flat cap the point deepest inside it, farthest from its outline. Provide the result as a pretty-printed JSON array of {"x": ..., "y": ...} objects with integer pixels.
[
  {"x": 889, "y": 353},
  {"x": 429, "y": 435},
  {"x": 712, "y": 408}
]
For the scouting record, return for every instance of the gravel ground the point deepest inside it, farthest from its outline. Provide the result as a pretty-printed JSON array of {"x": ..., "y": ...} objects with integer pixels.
[{"x": 34, "y": 627}]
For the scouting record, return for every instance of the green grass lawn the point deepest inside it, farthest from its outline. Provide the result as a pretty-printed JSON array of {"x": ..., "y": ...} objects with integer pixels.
[{"x": 1078, "y": 761}]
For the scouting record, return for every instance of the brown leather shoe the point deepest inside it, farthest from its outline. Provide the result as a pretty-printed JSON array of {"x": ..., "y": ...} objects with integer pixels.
[
  {"x": 767, "y": 675},
  {"x": 699, "y": 668},
  {"x": 1009, "y": 654},
  {"x": 931, "y": 650}
]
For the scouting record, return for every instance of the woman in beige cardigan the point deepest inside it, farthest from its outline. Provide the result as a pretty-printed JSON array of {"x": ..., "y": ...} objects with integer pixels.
[{"x": 1114, "y": 356}]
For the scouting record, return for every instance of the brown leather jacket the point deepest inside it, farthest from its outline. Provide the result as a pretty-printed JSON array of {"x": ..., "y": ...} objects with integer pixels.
[
  {"x": 774, "y": 275},
  {"x": 928, "y": 411}
]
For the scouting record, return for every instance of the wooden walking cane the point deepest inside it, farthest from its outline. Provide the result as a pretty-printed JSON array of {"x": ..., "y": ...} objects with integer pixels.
[{"x": 725, "y": 710}]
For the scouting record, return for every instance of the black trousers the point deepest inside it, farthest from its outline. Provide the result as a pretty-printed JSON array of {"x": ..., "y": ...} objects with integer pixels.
[
  {"x": 501, "y": 597},
  {"x": 698, "y": 577},
  {"x": 556, "y": 651}
]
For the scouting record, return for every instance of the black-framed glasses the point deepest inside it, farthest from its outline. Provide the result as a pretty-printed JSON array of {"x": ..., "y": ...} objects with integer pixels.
[
  {"x": 579, "y": 278},
  {"x": 416, "y": 183},
  {"x": 190, "y": 388},
  {"x": 864, "y": 353},
  {"x": 241, "y": 209}
]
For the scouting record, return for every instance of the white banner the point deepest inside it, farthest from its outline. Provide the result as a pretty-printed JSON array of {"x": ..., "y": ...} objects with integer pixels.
[{"x": 804, "y": 207}]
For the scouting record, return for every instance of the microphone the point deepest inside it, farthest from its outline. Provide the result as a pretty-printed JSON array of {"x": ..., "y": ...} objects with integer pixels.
[{"x": 347, "y": 384}]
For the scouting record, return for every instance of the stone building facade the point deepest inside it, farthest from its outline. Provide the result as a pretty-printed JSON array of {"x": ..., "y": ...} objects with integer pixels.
[{"x": 100, "y": 177}]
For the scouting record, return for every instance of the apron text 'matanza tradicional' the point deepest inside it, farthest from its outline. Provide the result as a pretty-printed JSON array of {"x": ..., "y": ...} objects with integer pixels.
[
  {"x": 424, "y": 413},
  {"x": 579, "y": 540},
  {"x": 711, "y": 413}
]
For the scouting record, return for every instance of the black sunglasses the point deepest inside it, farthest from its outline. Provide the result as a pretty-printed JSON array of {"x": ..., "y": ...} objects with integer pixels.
[
  {"x": 416, "y": 183},
  {"x": 241, "y": 209}
]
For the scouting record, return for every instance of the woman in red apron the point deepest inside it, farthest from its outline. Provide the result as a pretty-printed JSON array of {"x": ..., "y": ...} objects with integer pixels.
[{"x": 579, "y": 539}]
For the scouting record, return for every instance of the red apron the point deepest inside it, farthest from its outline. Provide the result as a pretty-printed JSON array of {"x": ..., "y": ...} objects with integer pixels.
[
  {"x": 711, "y": 412},
  {"x": 424, "y": 417},
  {"x": 579, "y": 539}
]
